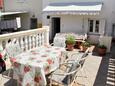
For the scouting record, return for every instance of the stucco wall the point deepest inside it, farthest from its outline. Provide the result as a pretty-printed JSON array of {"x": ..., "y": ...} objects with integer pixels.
[
  {"x": 71, "y": 24},
  {"x": 31, "y": 6},
  {"x": 108, "y": 11}
]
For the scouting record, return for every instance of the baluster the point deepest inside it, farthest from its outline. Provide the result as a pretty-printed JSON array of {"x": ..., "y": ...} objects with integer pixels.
[
  {"x": 30, "y": 42},
  {"x": 46, "y": 35},
  {"x": 5, "y": 43},
  {"x": 42, "y": 43},
  {"x": 33, "y": 41},
  {"x": 40, "y": 39},
  {"x": 26, "y": 42},
  {"x": 1, "y": 47},
  {"x": 22, "y": 43},
  {"x": 37, "y": 40}
]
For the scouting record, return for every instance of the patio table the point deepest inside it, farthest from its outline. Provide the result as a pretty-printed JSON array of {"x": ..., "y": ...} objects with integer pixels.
[
  {"x": 31, "y": 67},
  {"x": 60, "y": 38}
]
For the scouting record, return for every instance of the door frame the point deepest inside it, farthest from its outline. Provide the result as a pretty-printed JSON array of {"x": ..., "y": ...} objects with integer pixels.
[{"x": 53, "y": 26}]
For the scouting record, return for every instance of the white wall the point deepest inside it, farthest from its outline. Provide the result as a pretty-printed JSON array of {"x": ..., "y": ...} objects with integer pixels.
[
  {"x": 108, "y": 13},
  {"x": 71, "y": 24},
  {"x": 32, "y": 6}
]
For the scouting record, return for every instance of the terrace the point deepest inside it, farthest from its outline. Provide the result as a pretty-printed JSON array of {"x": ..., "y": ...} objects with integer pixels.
[{"x": 100, "y": 70}]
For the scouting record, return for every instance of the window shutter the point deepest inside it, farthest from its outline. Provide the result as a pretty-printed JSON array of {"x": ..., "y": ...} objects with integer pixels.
[
  {"x": 102, "y": 27},
  {"x": 86, "y": 26}
]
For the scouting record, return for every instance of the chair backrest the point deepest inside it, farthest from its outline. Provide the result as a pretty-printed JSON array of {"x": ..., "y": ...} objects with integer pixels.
[
  {"x": 82, "y": 60},
  {"x": 77, "y": 55},
  {"x": 71, "y": 74},
  {"x": 13, "y": 48}
]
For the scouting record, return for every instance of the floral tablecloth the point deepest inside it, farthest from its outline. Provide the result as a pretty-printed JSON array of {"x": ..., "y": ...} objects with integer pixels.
[{"x": 31, "y": 67}]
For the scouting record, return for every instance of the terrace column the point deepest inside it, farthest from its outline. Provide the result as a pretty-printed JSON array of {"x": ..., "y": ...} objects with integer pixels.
[{"x": 46, "y": 37}]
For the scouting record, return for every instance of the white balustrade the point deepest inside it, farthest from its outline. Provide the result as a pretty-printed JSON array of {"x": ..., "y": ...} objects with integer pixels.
[{"x": 27, "y": 39}]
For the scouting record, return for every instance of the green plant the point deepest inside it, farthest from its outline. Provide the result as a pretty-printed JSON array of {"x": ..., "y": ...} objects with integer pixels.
[
  {"x": 70, "y": 39},
  {"x": 102, "y": 46},
  {"x": 86, "y": 44}
]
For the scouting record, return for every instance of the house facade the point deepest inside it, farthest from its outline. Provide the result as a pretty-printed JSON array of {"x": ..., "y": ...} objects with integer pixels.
[
  {"x": 31, "y": 7},
  {"x": 94, "y": 17}
]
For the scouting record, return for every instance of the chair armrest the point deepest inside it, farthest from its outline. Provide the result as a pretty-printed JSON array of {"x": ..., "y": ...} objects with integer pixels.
[{"x": 76, "y": 53}]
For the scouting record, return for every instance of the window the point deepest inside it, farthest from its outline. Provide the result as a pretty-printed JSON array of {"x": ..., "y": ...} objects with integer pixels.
[
  {"x": 91, "y": 25},
  {"x": 94, "y": 26}
]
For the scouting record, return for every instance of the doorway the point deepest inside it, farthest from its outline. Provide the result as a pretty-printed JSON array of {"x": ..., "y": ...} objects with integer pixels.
[
  {"x": 113, "y": 32},
  {"x": 55, "y": 26}
]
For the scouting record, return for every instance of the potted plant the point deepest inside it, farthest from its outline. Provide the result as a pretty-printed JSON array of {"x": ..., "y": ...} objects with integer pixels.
[
  {"x": 70, "y": 42},
  {"x": 84, "y": 46},
  {"x": 102, "y": 50}
]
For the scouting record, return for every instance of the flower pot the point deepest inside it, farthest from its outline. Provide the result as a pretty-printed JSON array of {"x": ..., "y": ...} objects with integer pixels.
[
  {"x": 70, "y": 47},
  {"x": 102, "y": 51}
]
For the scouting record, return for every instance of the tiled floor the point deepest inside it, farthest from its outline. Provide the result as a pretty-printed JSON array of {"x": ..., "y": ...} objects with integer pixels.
[{"x": 98, "y": 71}]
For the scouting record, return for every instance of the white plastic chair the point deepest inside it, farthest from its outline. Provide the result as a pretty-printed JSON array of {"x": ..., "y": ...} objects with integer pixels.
[
  {"x": 65, "y": 77},
  {"x": 12, "y": 49},
  {"x": 81, "y": 58}
]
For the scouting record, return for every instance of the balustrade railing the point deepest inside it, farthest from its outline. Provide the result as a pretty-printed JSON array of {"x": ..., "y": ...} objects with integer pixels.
[{"x": 27, "y": 39}]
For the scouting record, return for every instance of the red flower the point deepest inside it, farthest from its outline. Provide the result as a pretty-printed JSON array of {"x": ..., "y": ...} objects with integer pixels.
[
  {"x": 0, "y": 55},
  {"x": 37, "y": 79},
  {"x": 44, "y": 55},
  {"x": 32, "y": 58},
  {"x": 26, "y": 69},
  {"x": 13, "y": 59},
  {"x": 34, "y": 53},
  {"x": 16, "y": 64},
  {"x": 47, "y": 50},
  {"x": 28, "y": 84},
  {"x": 49, "y": 61}
]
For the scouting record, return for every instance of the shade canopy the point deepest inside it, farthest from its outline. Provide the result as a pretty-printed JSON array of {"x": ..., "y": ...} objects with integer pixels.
[{"x": 81, "y": 8}]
